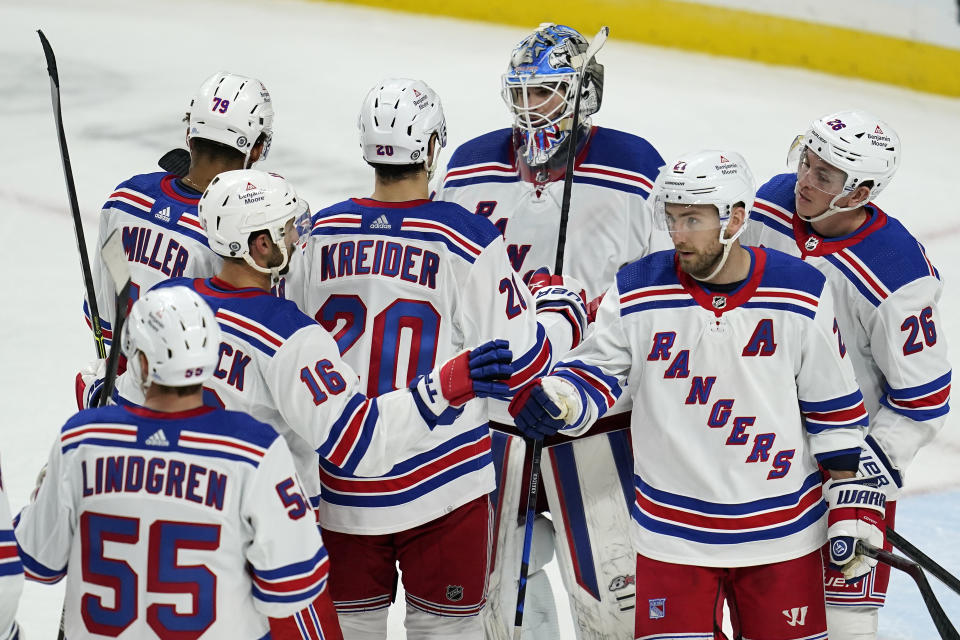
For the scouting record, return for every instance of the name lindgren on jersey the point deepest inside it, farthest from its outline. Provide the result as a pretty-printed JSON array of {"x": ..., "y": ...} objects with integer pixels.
[
  {"x": 162, "y": 238},
  {"x": 402, "y": 287},
  {"x": 743, "y": 393},
  {"x": 609, "y": 223},
  {"x": 151, "y": 508},
  {"x": 889, "y": 316}
]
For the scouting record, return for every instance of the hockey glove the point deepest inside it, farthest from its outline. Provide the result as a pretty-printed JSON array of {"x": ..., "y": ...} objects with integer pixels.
[
  {"x": 593, "y": 306},
  {"x": 89, "y": 383},
  {"x": 875, "y": 463},
  {"x": 857, "y": 511},
  {"x": 543, "y": 407},
  {"x": 469, "y": 374}
]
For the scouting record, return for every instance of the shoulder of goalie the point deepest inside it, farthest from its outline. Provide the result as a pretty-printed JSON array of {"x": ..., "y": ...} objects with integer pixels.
[
  {"x": 546, "y": 406},
  {"x": 857, "y": 511},
  {"x": 477, "y": 373}
]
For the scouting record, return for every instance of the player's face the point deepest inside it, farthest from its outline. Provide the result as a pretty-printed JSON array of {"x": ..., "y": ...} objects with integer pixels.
[
  {"x": 817, "y": 184},
  {"x": 694, "y": 230},
  {"x": 545, "y": 102}
]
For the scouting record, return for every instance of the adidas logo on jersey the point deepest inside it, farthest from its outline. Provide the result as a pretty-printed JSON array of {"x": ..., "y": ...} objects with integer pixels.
[
  {"x": 163, "y": 215},
  {"x": 158, "y": 439},
  {"x": 380, "y": 223}
]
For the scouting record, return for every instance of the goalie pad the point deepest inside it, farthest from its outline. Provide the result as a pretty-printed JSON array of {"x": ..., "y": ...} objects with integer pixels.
[{"x": 588, "y": 484}]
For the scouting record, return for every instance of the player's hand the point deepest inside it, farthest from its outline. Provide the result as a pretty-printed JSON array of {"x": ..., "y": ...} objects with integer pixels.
[
  {"x": 857, "y": 511},
  {"x": 563, "y": 295},
  {"x": 874, "y": 463},
  {"x": 89, "y": 383},
  {"x": 542, "y": 407},
  {"x": 470, "y": 374}
]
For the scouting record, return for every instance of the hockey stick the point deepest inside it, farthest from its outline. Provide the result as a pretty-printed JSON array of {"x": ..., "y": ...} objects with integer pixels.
[
  {"x": 944, "y": 627},
  {"x": 922, "y": 559},
  {"x": 116, "y": 261},
  {"x": 537, "y": 445},
  {"x": 72, "y": 193},
  {"x": 175, "y": 161}
]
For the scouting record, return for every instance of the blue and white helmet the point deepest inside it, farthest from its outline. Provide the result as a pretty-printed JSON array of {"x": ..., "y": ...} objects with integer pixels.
[{"x": 548, "y": 59}]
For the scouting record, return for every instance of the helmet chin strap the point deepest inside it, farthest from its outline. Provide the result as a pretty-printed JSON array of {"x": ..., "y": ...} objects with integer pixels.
[
  {"x": 727, "y": 246},
  {"x": 832, "y": 208},
  {"x": 273, "y": 272}
]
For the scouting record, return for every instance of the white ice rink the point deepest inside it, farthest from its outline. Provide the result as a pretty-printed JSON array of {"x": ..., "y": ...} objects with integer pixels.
[{"x": 128, "y": 69}]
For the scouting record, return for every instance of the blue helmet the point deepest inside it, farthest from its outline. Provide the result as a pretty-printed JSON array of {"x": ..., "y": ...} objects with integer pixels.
[{"x": 540, "y": 87}]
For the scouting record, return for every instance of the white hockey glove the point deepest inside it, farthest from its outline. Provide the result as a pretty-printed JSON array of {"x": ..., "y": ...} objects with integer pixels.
[
  {"x": 875, "y": 463},
  {"x": 89, "y": 383},
  {"x": 857, "y": 511},
  {"x": 441, "y": 394},
  {"x": 544, "y": 407},
  {"x": 561, "y": 295}
]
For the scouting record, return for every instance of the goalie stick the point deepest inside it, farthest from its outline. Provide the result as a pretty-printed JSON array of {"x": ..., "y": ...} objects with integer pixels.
[
  {"x": 537, "y": 445},
  {"x": 116, "y": 261},
  {"x": 922, "y": 559},
  {"x": 944, "y": 627},
  {"x": 72, "y": 193}
]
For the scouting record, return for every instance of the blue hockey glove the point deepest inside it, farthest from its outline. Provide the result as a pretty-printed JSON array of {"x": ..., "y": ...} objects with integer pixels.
[{"x": 534, "y": 413}]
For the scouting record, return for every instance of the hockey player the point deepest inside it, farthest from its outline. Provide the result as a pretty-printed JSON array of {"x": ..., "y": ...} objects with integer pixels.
[
  {"x": 514, "y": 177},
  {"x": 888, "y": 291},
  {"x": 733, "y": 356},
  {"x": 403, "y": 282},
  {"x": 174, "y": 519},
  {"x": 11, "y": 572},
  {"x": 284, "y": 369},
  {"x": 229, "y": 126}
]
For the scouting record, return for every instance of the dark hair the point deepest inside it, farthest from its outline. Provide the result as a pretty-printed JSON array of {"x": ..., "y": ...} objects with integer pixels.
[
  {"x": 389, "y": 173},
  {"x": 215, "y": 151},
  {"x": 180, "y": 391}
]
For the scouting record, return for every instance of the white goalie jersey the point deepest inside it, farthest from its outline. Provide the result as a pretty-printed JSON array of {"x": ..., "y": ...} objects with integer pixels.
[
  {"x": 738, "y": 398},
  {"x": 609, "y": 223},
  {"x": 189, "y": 524},
  {"x": 889, "y": 315}
]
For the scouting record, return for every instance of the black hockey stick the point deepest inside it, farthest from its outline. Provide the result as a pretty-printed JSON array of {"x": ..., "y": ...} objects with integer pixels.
[
  {"x": 72, "y": 193},
  {"x": 537, "y": 445},
  {"x": 116, "y": 262},
  {"x": 922, "y": 559},
  {"x": 175, "y": 161},
  {"x": 944, "y": 627}
]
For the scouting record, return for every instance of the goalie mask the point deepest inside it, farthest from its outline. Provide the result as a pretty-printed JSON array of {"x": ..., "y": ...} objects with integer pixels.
[
  {"x": 718, "y": 178},
  {"x": 238, "y": 203},
  {"x": 857, "y": 146},
  {"x": 176, "y": 330},
  {"x": 234, "y": 111},
  {"x": 397, "y": 120},
  {"x": 540, "y": 88}
]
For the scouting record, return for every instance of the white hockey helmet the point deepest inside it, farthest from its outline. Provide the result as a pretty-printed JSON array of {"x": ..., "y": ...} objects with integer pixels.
[
  {"x": 550, "y": 59},
  {"x": 237, "y": 203},
  {"x": 397, "y": 120},
  {"x": 176, "y": 330},
  {"x": 719, "y": 178},
  {"x": 864, "y": 147},
  {"x": 232, "y": 110}
]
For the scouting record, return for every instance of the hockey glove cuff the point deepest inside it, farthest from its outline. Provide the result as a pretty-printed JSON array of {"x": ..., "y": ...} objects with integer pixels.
[
  {"x": 857, "y": 511},
  {"x": 874, "y": 463}
]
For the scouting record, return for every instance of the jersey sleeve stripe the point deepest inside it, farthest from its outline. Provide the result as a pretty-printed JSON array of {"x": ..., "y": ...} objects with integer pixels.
[
  {"x": 617, "y": 185},
  {"x": 488, "y": 167},
  {"x": 194, "y": 440},
  {"x": 299, "y": 578},
  {"x": 39, "y": 572},
  {"x": 923, "y": 402},
  {"x": 118, "y": 432},
  {"x": 190, "y": 221},
  {"x": 533, "y": 364},
  {"x": 350, "y": 435},
  {"x": 817, "y": 422},
  {"x": 249, "y": 327},
  {"x": 600, "y": 387},
  {"x": 135, "y": 198},
  {"x": 349, "y": 221},
  {"x": 768, "y": 209},
  {"x": 861, "y": 276},
  {"x": 430, "y": 226},
  {"x": 832, "y": 404}
]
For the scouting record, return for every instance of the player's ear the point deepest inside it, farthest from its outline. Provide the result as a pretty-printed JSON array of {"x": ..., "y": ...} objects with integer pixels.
[
  {"x": 144, "y": 371},
  {"x": 738, "y": 214},
  {"x": 860, "y": 196}
]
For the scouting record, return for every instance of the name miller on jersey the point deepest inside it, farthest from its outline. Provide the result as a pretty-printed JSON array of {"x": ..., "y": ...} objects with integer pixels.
[
  {"x": 173, "y": 478},
  {"x": 380, "y": 258},
  {"x": 141, "y": 245}
]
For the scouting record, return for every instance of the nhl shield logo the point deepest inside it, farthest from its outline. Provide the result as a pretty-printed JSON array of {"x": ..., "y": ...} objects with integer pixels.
[
  {"x": 811, "y": 243},
  {"x": 719, "y": 302},
  {"x": 454, "y": 593}
]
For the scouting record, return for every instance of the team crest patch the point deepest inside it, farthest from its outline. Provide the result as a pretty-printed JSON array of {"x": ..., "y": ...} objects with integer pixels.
[
  {"x": 454, "y": 593},
  {"x": 811, "y": 243},
  {"x": 658, "y": 608},
  {"x": 719, "y": 302}
]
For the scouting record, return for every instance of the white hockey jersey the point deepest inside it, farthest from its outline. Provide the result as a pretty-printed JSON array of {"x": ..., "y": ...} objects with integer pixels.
[
  {"x": 609, "y": 224},
  {"x": 737, "y": 397},
  {"x": 188, "y": 524},
  {"x": 403, "y": 286},
  {"x": 11, "y": 572},
  {"x": 284, "y": 369},
  {"x": 889, "y": 316},
  {"x": 162, "y": 238}
]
